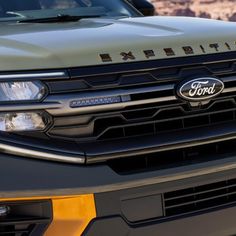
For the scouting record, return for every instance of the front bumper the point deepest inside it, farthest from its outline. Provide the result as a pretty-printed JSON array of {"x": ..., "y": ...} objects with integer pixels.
[
  {"x": 217, "y": 223},
  {"x": 25, "y": 179}
]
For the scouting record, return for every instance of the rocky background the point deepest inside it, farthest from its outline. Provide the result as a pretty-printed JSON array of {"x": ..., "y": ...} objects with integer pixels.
[{"x": 216, "y": 9}]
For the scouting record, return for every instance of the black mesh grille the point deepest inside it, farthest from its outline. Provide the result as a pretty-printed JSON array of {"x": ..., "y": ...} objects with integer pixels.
[{"x": 200, "y": 198}]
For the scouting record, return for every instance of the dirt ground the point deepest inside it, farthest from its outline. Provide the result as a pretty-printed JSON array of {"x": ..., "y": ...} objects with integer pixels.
[{"x": 217, "y": 9}]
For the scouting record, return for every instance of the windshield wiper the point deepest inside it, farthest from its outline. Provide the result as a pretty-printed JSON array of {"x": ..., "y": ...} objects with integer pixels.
[{"x": 58, "y": 18}]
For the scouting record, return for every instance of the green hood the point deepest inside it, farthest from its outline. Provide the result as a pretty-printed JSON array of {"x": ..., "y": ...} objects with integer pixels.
[{"x": 29, "y": 46}]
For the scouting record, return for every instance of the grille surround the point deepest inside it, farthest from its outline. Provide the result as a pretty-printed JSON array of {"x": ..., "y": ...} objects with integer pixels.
[
  {"x": 120, "y": 126},
  {"x": 158, "y": 94},
  {"x": 119, "y": 122}
]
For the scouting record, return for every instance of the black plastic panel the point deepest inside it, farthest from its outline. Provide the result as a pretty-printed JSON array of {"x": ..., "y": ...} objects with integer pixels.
[
  {"x": 26, "y": 218},
  {"x": 186, "y": 207},
  {"x": 219, "y": 223},
  {"x": 149, "y": 203},
  {"x": 142, "y": 208}
]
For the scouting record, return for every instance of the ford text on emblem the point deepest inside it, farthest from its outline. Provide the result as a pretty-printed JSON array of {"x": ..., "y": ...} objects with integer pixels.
[{"x": 201, "y": 89}]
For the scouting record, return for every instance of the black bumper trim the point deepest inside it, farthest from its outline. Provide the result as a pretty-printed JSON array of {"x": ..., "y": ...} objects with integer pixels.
[
  {"x": 216, "y": 223},
  {"x": 25, "y": 177}
]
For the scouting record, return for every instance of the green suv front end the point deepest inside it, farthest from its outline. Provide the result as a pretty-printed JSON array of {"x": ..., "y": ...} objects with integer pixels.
[{"x": 112, "y": 123}]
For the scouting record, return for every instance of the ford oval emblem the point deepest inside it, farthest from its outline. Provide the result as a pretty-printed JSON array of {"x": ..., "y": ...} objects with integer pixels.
[{"x": 200, "y": 89}]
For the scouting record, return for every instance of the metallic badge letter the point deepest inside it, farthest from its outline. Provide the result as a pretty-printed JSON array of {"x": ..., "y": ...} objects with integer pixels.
[
  {"x": 149, "y": 53},
  {"x": 127, "y": 56},
  {"x": 188, "y": 50},
  {"x": 106, "y": 57}
]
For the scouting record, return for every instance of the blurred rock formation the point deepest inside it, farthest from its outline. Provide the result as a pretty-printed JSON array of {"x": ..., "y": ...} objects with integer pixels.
[{"x": 216, "y": 9}]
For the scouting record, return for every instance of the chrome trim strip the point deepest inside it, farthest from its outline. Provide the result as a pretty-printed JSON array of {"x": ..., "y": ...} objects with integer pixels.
[
  {"x": 117, "y": 105},
  {"x": 66, "y": 109},
  {"x": 24, "y": 107},
  {"x": 228, "y": 79},
  {"x": 27, "y": 152},
  {"x": 229, "y": 90},
  {"x": 32, "y": 75},
  {"x": 66, "y": 99}
]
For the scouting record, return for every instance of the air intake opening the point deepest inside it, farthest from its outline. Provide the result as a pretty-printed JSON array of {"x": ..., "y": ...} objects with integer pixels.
[
  {"x": 200, "y": 198},
  {"x": 172, "y": 159}
]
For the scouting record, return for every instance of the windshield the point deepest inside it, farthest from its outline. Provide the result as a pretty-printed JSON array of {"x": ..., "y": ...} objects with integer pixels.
[{"x": 31, "y": 9}]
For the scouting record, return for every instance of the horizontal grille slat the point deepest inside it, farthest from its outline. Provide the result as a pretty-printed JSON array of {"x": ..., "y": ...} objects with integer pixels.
[
  {"x": 200, "y": 192},
  {"x": 200, "y": 198}
]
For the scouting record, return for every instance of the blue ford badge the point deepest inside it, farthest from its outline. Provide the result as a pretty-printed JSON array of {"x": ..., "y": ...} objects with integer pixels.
[{"x": 200, "y": 89}]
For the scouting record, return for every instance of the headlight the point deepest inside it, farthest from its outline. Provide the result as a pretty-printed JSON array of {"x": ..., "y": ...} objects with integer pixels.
[
  {"x": 28, "y": 121},
  {"x": 21, "y": 91}
]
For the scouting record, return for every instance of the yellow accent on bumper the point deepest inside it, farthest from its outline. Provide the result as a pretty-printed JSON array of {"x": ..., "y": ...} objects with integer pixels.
[{"x": 71, "y": 214}]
